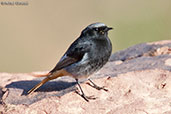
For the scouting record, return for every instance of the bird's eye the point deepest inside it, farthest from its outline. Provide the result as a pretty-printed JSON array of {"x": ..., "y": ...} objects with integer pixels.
[{"x": 96, "y": 29}]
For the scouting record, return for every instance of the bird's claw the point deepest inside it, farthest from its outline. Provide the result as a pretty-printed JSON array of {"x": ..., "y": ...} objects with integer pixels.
[
  {"x": 97, "y": 87},
  {"x": 87, "y": 98}
]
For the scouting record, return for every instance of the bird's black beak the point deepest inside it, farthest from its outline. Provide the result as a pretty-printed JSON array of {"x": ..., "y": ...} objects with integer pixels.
[{"x": 109, "y": 28}]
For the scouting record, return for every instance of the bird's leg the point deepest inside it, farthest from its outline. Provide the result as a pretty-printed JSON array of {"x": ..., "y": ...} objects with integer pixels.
[
  {"x": 82, "y": 93},
  {"x": 96, "y": 86}
]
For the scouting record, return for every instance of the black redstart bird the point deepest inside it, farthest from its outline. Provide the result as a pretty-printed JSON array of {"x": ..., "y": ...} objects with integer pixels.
[{"x": 86, "y": 55}]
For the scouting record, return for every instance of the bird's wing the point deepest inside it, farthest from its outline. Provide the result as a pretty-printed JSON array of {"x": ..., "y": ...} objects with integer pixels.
[{"x": 74, "y": 54}]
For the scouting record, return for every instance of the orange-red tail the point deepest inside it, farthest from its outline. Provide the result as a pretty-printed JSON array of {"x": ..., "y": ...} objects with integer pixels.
[{"x": 49, "y": 76}]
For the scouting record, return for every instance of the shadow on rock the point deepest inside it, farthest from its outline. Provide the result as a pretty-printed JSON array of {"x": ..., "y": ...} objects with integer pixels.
[
  {"x": 18, "y": 91},
  {"x": 47, "y": 87}
]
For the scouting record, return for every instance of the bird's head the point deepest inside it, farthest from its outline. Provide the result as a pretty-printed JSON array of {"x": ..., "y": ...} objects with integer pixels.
[{"x": 97, "y": 30}]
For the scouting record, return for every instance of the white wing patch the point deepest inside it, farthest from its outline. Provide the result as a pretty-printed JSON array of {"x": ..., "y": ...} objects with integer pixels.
[{"x": 85, "y": 58}]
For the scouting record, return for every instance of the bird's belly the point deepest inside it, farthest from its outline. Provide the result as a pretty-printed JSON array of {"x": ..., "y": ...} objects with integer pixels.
[{"x": 83, "y": 70}]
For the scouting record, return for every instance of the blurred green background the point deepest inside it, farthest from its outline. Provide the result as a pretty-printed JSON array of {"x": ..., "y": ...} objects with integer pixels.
[{"x": 34, "y": 37}]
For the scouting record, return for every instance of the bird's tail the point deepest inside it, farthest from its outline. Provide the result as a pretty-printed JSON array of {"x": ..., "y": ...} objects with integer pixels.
[
  {"x": 49, "y": 76},
  {"x": 38, "y": 85}
]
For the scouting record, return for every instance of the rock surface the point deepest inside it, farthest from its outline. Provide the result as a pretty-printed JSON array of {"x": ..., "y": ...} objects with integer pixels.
[{"x": 138, "y": 80}]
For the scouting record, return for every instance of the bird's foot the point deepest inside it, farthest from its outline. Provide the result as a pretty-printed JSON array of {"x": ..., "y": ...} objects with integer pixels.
[
  {"x": 100, "y": 88},
  {"x": 87, "y": 98},
  {"x": 96, "y": 86}
]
